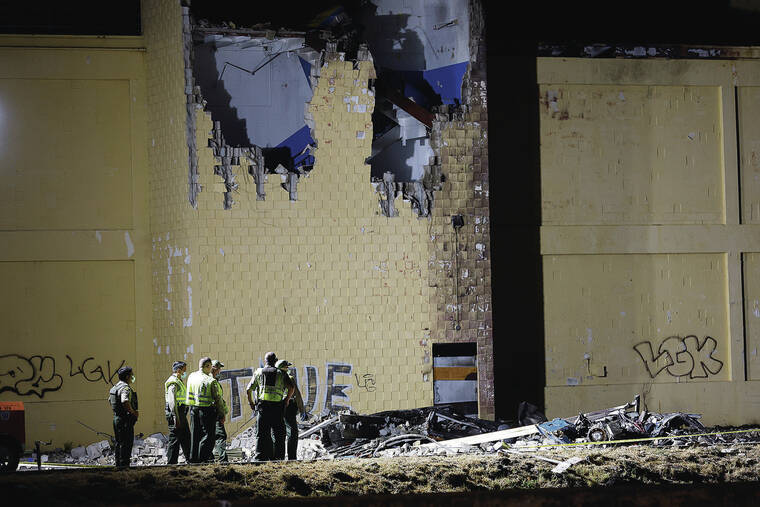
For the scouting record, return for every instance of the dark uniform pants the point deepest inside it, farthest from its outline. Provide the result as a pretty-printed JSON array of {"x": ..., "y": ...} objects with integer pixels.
[
  {"x": 179, "y": 436},
  {"x": 220, "y": 445},
  {"x": 202, "y": 426},
  {"x": 291, "y": 426},
  {"x": 270, "y": 420},
  {"x": 124, "y": 432}
]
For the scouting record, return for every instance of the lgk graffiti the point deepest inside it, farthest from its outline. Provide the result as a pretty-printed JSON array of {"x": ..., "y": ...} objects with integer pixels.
[
  {"x": 94, "y": 372},
  {"x": 681, "y": 357},
  {"x": 331, "y": 395}
]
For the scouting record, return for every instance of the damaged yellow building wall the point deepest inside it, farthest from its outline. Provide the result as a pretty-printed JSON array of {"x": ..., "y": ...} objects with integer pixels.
[
  {"x": 97, "y": 139},
  {"x": 648, "y": 238},
  {"x": 74, "y": 258},
  {"x": 325, "y": 281},
  {"x": 352, "y": 298}
]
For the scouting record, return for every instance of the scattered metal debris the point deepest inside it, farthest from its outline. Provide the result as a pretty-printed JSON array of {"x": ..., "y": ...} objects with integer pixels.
[{"x": 441, "y": 430}]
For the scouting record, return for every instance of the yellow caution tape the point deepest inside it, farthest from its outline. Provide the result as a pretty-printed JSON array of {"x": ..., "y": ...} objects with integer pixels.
[{"x": 646, "y": 439}]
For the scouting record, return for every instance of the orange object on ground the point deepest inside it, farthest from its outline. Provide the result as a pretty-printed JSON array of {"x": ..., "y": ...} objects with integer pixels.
[{"x": 12, "y": 434}]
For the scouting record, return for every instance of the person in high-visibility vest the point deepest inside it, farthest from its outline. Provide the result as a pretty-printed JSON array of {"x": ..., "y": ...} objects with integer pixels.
[
  {"x": 220, "y": 434},
  {"x": 176, "y": 413},
  {"x": 273, "y": 388},
  {"x": 205, "y": 404},
  {"x": 292, "y": 410}
]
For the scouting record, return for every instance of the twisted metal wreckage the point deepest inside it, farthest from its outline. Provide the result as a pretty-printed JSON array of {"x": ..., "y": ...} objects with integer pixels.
[{"x": 441, "y": 430}]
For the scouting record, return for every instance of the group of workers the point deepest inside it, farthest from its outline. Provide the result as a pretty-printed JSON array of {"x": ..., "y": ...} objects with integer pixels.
[{"x": 272, "y": 394}]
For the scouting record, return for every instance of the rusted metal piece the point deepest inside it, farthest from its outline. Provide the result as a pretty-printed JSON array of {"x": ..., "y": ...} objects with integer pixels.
[{"x": 418, "y": 112}]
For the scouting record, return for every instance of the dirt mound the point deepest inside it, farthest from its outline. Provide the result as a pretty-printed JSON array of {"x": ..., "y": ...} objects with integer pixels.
[{"x": 599, "y": 467}]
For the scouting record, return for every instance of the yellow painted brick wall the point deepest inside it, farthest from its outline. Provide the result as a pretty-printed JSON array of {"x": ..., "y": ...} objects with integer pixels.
[
  {"x": 648, "y": 237},
  {"x": 172, "y": 217},
  {"x": 324, "y": 279},
  {"x": 354, "y": 299},
  {"x": 349, "y": 296}
]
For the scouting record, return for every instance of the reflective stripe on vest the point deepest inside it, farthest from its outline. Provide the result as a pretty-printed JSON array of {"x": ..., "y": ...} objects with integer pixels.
[
  {"x": 179, "y": 390},
  {"x": 199, "y": 390},
  {"x": 271, "y": 384}
]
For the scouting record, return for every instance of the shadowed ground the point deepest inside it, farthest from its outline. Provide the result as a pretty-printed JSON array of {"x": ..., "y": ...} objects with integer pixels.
[{"x": 603, "y": 471}]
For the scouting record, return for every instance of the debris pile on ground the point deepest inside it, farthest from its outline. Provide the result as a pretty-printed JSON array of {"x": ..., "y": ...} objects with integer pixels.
[
  {"x": 387, "y": 433},
  {"x": 150, "y": 450},
  {"x": 442, "y": 431}
]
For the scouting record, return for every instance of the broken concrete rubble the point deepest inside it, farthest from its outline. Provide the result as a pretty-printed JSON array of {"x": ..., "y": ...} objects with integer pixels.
[
  {"x": 78, "y": 453},
  {"x": 150, "y": 450},
  {"x": 95, "y": 450},
  {"x": 441, "y": 430}
]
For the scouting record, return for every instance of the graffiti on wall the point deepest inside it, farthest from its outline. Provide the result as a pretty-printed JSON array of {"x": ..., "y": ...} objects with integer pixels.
[
  {"x": 26, "y": 376},
  {"x": 367, "y": 382},
  {"x": 681, "y": 357},
  {"x": 329, "y": 393},
  {"x": 237, "y": 392},
  {"x": 37, "y": 375},
  {"x": 93, "y": 372}
]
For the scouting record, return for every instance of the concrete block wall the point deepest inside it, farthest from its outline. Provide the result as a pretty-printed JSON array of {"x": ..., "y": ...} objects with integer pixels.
[
  {"x": 354, "y": 299},
  {"x": 325, "y": 281},
  {"x": 170, "y": 211},
  {"x": 130, "y": 270},
  {"x": 461, "y": 143},
  {"x": 460, "y": 262}
]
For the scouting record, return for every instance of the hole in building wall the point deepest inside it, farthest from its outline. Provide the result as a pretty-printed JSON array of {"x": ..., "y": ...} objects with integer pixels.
[
  {"x": 257, "y": 89},
  {"x": 421, "y": 54},
  {"x": 257, "y": 83},
  {"x": 455, "y": 376}
]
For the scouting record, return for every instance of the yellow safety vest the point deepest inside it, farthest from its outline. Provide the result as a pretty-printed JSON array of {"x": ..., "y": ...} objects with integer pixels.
[
  {"x": 180, "y": 393},
  {"x": 275, "y": 391},
  {"x": 199, "y": 390}
]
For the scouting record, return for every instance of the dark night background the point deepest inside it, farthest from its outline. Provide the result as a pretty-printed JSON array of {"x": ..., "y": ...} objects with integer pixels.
[{"x": 513, "y": 34}]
